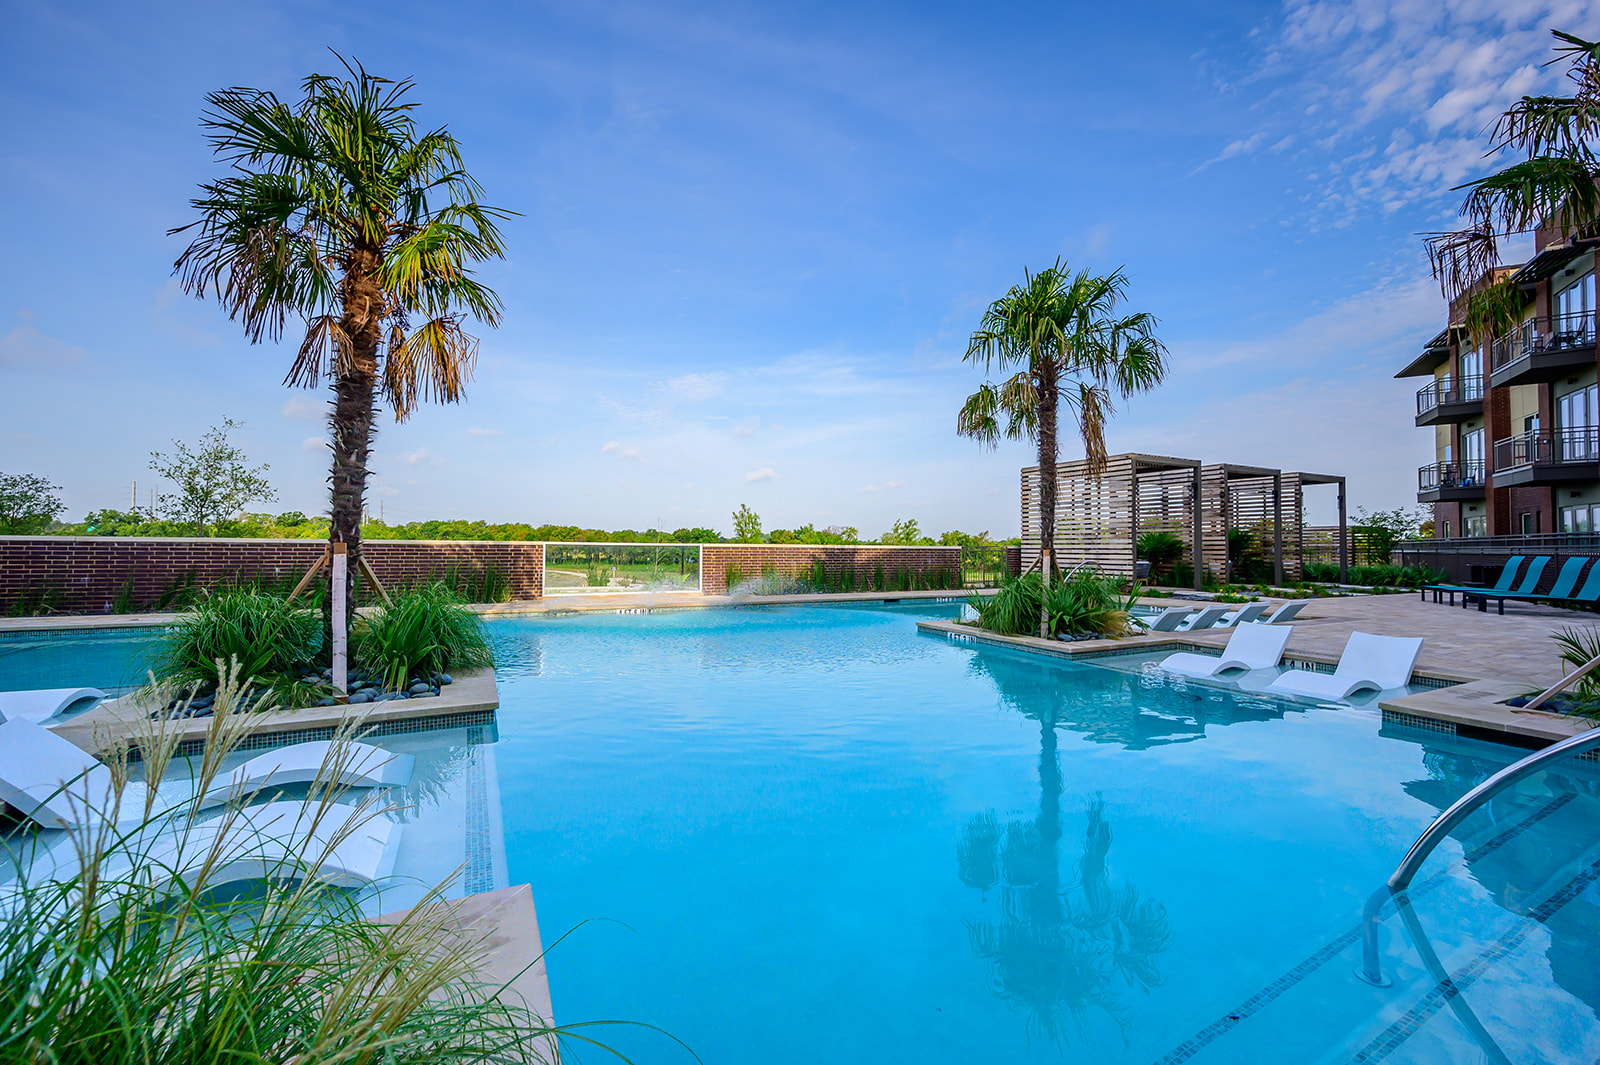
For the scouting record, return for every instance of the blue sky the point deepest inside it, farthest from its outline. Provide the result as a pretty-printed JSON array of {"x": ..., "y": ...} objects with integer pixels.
[{"x": 754, "y": 239}]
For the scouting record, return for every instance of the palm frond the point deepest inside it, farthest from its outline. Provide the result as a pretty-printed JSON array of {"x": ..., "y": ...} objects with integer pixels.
[
  {"x": 978, "y": 418},
  {"x": 433, "y": 362}
]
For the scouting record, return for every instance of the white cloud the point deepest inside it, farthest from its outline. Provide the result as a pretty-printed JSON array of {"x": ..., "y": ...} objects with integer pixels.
[
  {"x": 27, "y": 348},
  {"x": 885, "y": 486},
  {"x": 313, "y": 443},
  {"x": 691, "y": 387},
  {"x": 765, "y": 473},
  {"x": 611, "y": 447},
  {"x": 420, "y": 457},
  {"x": 301, "y": 410},
  {"x": 1233, "y": 148}
]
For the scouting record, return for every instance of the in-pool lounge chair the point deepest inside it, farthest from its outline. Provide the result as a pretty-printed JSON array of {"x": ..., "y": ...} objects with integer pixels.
[
  {"x": 1285, "y": 613},
  {"x": 1508, "y": 575},
  {"x": 1202, "y": 619},
  {"x": 332, "y": 844},
  {"x": 1250, "y": 647},
  {"x": 1376, "y": 662},
  {"x": 59, "y": 785},
  {"x": 1245, "y": 615},
  {"x": 1167, "y": 622},
  {"x": 41, "y": 705}
]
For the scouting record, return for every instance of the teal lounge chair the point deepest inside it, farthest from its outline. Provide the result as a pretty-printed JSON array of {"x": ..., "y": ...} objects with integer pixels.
[
  {"x": 1530, "y": 581},
  {"x": 1507, "y": 575},
  {"x": 1561, "y": 591}
]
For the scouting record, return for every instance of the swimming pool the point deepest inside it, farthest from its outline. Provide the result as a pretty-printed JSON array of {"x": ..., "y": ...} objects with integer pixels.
[
  {"x": 802, "y": 833},
  {"x": 784, "y": 833}
]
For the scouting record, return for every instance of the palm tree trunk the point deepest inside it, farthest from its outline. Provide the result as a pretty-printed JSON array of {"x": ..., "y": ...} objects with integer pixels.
[
  {"x": 353, "y": 410},
  {"x": 1047, "y": 484}
]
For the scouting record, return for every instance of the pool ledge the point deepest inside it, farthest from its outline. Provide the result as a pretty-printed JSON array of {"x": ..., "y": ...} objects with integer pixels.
[
  {"x": 472, "y": 699},
  {"x": 1463, "y": 704},
  {"x": 505, "y": 926}
]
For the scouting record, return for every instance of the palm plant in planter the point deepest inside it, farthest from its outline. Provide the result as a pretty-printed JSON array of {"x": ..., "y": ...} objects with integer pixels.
[{"x": 1161, "y": 549}]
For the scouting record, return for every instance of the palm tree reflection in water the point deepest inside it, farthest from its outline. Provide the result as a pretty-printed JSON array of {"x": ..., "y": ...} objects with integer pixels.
[{"x": 1059, "y": 953}]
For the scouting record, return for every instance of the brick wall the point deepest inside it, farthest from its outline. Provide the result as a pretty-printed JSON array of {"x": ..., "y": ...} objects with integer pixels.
[
  {"x": 795, "y": 560},
  {"x": 89, "y": 571}
]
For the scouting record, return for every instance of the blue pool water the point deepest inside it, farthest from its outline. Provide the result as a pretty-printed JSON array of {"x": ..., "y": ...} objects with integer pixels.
[
  {"x": 110, "y": 659},
  {"x": 803, "y": 834},
  {"x": 791, "y": 834}
]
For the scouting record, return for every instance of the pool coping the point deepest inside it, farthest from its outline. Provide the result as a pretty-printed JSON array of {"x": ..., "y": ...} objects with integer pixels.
[
  {"x": 1463, "y": 704},
  {"x": 473, "y": 699},
  {"x": 506, "y": 925}
]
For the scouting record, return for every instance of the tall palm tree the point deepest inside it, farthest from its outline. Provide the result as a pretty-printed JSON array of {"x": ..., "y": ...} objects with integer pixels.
[
  {"x": 1060, "y": 333},
  {"x": 340, "y": 212},
  {"x": 1553, "y": 185}
]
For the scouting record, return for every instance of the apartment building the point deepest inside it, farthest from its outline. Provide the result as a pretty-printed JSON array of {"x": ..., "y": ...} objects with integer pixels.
[{"x": 1515, "y": 417}]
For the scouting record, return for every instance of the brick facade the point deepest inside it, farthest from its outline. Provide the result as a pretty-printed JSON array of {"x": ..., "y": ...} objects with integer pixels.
[
  {"x": 88, "y": 572},
  {"x": 795, "y": 560}
]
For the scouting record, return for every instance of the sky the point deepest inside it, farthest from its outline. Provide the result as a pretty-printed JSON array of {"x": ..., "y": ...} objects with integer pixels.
[{"x": 752, "y": 241}]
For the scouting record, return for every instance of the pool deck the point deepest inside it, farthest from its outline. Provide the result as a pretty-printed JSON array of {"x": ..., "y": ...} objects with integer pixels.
[{"x": 1487, "y": 657}]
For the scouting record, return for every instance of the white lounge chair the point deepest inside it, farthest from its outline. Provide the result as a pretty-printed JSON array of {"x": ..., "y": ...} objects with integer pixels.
[
  {"x": 1250, "y": 647},
  {"x": 1286, "y": 612},
  {"x": 1202, "y": 619},
  {"x": 1245, "y": 615},
  {"x": 60, "y": 785},
  {"x": 273, "y": 840},
  {"x": 1377, "y": 662},
  {"x": 333, "y": 844},
  {"x": 1167, "y": 622},
  {"x": 42, "y": 704}
]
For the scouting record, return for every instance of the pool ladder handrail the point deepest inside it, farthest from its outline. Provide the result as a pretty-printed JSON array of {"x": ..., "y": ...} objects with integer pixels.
[{"x": 1443, "y": 825}]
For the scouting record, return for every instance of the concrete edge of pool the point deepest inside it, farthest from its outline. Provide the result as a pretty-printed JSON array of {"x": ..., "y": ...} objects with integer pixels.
[{"x": 1465, "y": 704}]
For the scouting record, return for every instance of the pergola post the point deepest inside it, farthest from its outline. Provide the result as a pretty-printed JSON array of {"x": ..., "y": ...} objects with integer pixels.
[
  {"x": 1344, "y": 562},
  {"x": 1277, "y": 528},
  {"x": 1194, "y": 528}
]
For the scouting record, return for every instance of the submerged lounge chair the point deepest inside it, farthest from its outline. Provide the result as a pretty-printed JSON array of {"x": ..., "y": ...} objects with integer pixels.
[
  {"x": 1202, "y": 619},
  {"x": 1167, "y": 622},
  {"x": 1245, "y": 615},
  {"x": 1377, "y": 662},
  {"x": 60, "y": 785},
  {"x": 1250, "y": 647},
  {"x": 42, "y": 704},
  {"x": 1286, "y": 612}
]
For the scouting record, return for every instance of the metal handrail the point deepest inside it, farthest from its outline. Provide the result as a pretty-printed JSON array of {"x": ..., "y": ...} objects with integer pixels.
[
  {"x": 1457, "y": 390},
  {"x": 1445, "y": 823}
]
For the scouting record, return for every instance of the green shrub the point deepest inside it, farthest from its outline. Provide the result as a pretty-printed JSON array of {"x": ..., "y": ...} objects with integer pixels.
[
  {"x": 273, "y": 640},
  {"x": 1375, "y": 576},
  {"x": 733, "y": 576},
  {"x": 1087, "y": 603},
  {"x": 1013, "y": 610},
  {"x": 426, "y": 630},
  {"x": 1161, "y": 549}
]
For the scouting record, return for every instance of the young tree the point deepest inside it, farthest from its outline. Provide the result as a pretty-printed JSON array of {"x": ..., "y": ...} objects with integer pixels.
[
  {"x": 1380, "y": 531},
  {"x": 746, "y": 525},
  {"x": 1060, "y": 333},
  {"x": 339, "y": 211},
  {"x": 214, "y": 479},
  {"x": 905, "y": 531},
  {"x": 28, "y": 504},
  {"x": 1553, "y": 184}
]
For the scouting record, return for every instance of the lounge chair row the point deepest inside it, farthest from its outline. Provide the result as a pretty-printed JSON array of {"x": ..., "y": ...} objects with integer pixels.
[
  {"x": 1368, "y": 662},
  {"x": 1508, "y": 586},
  {"x": 1188, "y": 619}
]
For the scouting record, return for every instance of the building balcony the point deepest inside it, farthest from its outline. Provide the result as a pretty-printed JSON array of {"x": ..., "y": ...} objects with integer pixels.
[
  {"x": 1548, "y": 456},
  {"x": 1450, "y": 482},
  {"x": 1543, "y": 349},
  {"x": 1442, "y": 403}
]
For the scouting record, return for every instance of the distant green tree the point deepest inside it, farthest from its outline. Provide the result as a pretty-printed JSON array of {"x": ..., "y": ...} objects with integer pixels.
[
  {"x": 957, "y": 538},
  {"x": 746, "y": 525},
  {"x": 28, "y": 503},
  {"x": 1379, "y": 532},
  {"x": 214, "y": 479},
  {"x": 905, "y": 532},
  {"x": 696, "y": 536}
]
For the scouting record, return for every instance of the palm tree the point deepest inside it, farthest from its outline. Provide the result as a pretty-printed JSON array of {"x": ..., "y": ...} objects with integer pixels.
[
  {"x": 1060, "y": 333},
  {"x": 1554, "y": 185},
  {"x": 340, "y": 212}
]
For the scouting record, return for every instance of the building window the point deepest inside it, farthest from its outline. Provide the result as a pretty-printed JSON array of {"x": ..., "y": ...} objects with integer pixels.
[
  {"x": 1471, "y": 374},
  {"x": 1447, "y": 528},
  {"x": 1578, "y": 420},
  {"x": 1475, "y": 525},
  {"x": 1472, "y": 457},
  {"x": 1579, "y": 519}
]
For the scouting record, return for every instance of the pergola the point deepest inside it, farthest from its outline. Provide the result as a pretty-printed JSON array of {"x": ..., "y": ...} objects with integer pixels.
[{"x": 1099, "y": 520}]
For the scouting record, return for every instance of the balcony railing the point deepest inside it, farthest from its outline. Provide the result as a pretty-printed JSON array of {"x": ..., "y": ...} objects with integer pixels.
[
  {"x": 1450, "y": 475},
  {"x": 1547, "y": 447},
  {"x": 1537, "y": 336},
  {"x": 1465, "y": 390}
]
